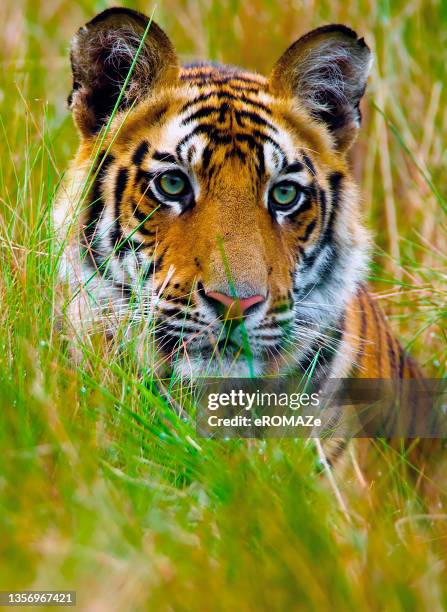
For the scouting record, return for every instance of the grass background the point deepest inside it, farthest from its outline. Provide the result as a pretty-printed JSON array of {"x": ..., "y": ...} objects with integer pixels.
[{"x": 102, "y": 488}]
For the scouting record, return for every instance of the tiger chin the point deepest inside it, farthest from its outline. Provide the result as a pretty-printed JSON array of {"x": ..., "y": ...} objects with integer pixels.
[{"x": 217, "y": 206}]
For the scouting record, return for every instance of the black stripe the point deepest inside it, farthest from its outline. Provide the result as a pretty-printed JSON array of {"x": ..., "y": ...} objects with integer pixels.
[
  {"x": 205, "y": 111},
  {"x": 142, "y": 218},
  {"x": 262, "y": 136},
  {"x": 302, "y": 255},
  {"x": 325, "y": 269},
  {"x": 147, "y": 192},
  {"x": 120, "y": 186},
  {"x": 248, "y": 139},
  {"x": 217, "y": 70},
  {"x": 164, "y": 157},
  {"x": 210, "y": 130},
  {"x": 217, "y": 78},
  {"x": 254, "y": 90},
  {"x": 95, "y": 209},
  {"x": 167, "y": 343},
  {"x": 159, "y": 261},
  {"x": 260, "y": 166},
  {"x": 217, "y": 84},
  {"x": 190, "y": 153},
  {"x": 215, "y": 135},
  {"x": 173, "y": 313},
  {"x": 309, "y": 260},
  {"x": 254, "y": 118},
  {"x": 159, "y": 113},
  {"x": 182, "y": 301},
  {"x": 236, "y": 152},
  {"x": 120, "y": 242},
  {"x": 295, "y": 166},
  {"x": 226, "y": 96},
  {"x": 140, "y": 153},
  {"x": 223, "y": 111},
  {"x": 309, "y": 164},
  {"x": 181, "y": 144},
  {"x": 305, "y": 206},
  {"x": 220, "y": 137},
  {"x": 145, "y": 176},
  {"x": 335, "y": 181},
  {"x": 237, "y": 77},
  {"x": 206, "y": 157},
  {"x": 323, "y": 204},
  {"x": 309, "y": 229}
]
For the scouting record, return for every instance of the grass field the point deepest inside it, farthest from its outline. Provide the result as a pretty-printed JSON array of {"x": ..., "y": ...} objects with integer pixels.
[{"x": 103, "y": 489}]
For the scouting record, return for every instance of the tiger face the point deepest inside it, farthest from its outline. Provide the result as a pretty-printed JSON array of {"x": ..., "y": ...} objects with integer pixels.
[{"x": 220, "y": 205}]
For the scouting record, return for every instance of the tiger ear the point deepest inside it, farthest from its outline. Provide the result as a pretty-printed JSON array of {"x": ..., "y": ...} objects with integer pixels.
[
  {"x": 102, "y": 53},
  {"x": 327, "y": 70}
]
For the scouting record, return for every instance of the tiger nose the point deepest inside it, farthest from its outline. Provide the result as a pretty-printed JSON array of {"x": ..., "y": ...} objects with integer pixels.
[{"x": 234, "y": 307}]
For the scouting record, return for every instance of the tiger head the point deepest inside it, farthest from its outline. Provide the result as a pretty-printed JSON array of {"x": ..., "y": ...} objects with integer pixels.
[{"x": 220, "y": 200}]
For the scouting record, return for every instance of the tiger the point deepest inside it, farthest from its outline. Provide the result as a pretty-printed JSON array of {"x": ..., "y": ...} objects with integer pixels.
[{"x": 220, "y": 204}]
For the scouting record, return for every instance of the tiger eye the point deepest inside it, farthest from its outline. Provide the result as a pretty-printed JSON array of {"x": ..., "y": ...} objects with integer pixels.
[
  {"x": 284, "y": 194},
  {"x": 172, "y": 183}
]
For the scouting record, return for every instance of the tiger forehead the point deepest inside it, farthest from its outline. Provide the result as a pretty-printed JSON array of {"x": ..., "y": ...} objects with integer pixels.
[
  {"x": 216, "y": 114},
  {"x": 205, "y": 84},
  {"x": 220, "y": 101}
]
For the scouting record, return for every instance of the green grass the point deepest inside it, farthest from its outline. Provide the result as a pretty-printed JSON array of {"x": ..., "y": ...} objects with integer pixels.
[{"x": 103, "y": 488}]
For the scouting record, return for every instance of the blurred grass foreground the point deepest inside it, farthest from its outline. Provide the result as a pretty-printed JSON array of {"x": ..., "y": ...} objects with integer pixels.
[{"x": 103, "y": 489}]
